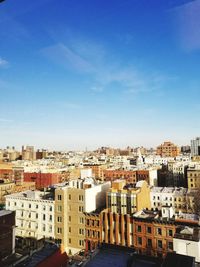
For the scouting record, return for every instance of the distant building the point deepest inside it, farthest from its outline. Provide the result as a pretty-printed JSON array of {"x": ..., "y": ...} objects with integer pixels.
[
  {"x": 42, "y": 179},
  {"x": 195, "y": 147},
  {"x": 28, "y": 153},
  {"x": 167, "y": 149}
]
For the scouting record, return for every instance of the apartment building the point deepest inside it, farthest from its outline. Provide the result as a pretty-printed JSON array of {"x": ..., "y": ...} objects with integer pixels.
[
  {"x": 42, "y": 179},
  {"x": 179, "y": 198},
  {"x": 5, "y": 189},
  {"x": 152, "y": 234},
  {"x": 72, "y": 201},
  {"x": 34, "y": 214},
  {"x": 7, "y": 234},
  {"x": 126, "y": 198},
  {"x": 167, "y": 149},
  {"x": 97, "y": 170},
  {"x": 111, "y": 175},
  {"x": 193, "y": 176}
]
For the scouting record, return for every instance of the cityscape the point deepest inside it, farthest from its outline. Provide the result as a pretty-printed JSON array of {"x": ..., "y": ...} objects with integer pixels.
[
  {"x": 99, "y": 133},
  {"x": 80, "y": 208}
]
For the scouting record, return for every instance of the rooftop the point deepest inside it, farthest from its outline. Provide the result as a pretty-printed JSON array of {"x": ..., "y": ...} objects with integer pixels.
[{"x": 5, "y": 212}]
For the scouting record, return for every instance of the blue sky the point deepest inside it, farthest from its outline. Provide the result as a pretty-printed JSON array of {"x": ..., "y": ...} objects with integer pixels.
[{"x": 76, "y": 74}]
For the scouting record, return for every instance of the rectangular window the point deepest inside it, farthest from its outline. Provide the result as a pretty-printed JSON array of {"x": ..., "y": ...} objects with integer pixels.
[
  {"x": 69, "y": 197},
  {"x": 159, "y": 244},
  {"x": 44, "y": 217},
  {"x": 59, "y": 219},
  {"x": 159, "y": 231},
  {"x": 139, "y": 228},
  {"x": 50, "y": 208},
  {"x": 59, "y": 197},
  {"x": 149, "y": 242},
  {"x": 70, "y": 240},
  {"x": 59, "y": 208},
  {"x": 149, "y": 230},
  {"x": 170, "y": 245},
  {"x": 59, "y": 230},
  {"x": 69, "y": 218},
  {"x": 139, "y": 240},
  {"x": 170, "y": 232},
  {"x": 50, "y": 218},
  {"x": 43, "y": 228},
  {"x": 70, "y": 229}
]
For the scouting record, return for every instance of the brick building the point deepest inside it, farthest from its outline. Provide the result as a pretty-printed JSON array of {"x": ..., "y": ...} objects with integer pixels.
[{"x": 42, "y": 179}]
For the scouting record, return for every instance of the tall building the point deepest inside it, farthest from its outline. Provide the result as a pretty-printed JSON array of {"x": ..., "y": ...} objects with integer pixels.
[
  {"x": 167, "y": 149},
  {"x": 195, "y": 147},
  {"x": 71, "y": 203},
  {"x": 28, "y": 153}
]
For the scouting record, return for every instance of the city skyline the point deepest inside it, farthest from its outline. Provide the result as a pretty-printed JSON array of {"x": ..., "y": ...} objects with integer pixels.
[{"x": 115, "y": 73}]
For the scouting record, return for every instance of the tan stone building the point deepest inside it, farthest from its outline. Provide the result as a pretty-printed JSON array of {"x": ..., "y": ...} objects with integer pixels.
[
  {"x": 168, "y": 149},
  {"x": 71, "y": 203},
  {"x": 193, "y": 176},
  {"x": 128, "y": 198}
]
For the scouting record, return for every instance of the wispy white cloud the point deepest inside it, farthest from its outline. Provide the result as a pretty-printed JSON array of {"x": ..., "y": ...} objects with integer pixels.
[
  {"x": 187, "y": 25},
  {"x": 3, "y": 62},
  {"x": 104, "y": 69}
]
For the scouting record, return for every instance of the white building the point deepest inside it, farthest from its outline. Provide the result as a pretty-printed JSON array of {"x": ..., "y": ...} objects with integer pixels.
[
  {"x": 186, "y": 241},
  {"x": 34, "y": 213}
]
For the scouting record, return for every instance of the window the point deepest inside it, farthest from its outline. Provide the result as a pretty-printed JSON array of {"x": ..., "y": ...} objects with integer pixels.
[
  {"x": 59, "y": 197},
  {"x": 70, "y": 229},
  {"x": 59, "y": 208},
  {"x": 81, "y": 231},
  {"x": 69, "y": 218},
  {"x": 36, "y": 206},
  {"x": 139, "y": 229},
  {"x": 149, "y": 242},
  {"x": 170, "y": 232},
  {"x": 70, "y": 240},
  {"x": 50, "y": 208},
  {"x": 80, "y": 197},
  {"x": 43, "y": 228},
  {"x": 80, "y": 208},
  {"x": 170, "y": 245},
  {"x": 43, "y": 217},
  {"x": 59, "y": 230},
  {"x": 159, "y": 244},
  {"x": 159, "y": 231},
  {"x": 81, "y": 243},
  {"x": 44, "y": 208},
  {"x": 50, "y": 218},
  {"x": 50, "y": 228},
  {"x": 69, "y": 196},
  {"x": 139, "y": 240},
  {"x": 15, "y": 204},
  {"x": 149, "y": 230},
  {"x": 36, "y": 215},
  {"x": 59, "y": 219},
  {"x": 81, "y": 220},
  {"x": 29, "y": 206}
]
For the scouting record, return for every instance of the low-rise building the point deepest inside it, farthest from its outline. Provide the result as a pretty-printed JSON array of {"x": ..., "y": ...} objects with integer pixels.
[{"x": 187, "y": 241}]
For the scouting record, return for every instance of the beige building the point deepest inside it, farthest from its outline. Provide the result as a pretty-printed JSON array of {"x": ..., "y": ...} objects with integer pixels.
[
  {"x": 125, "y": 198},
  {"x": 193, "y": 176},
  {"x": 71, "y": 203},
  {"x": 6, "y": 189}
]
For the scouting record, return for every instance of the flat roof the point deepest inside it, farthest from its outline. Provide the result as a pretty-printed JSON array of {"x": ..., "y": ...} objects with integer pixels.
[{"x": 5, "y": 212}]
